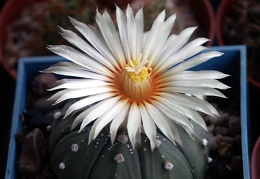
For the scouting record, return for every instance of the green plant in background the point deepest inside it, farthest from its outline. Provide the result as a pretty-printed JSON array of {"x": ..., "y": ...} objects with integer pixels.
[{"x": 132, "y": 110}]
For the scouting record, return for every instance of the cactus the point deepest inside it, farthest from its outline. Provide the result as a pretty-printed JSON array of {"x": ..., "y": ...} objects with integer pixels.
[
  {"x": 73, "y": 157},
  {"x": 138, "y": 83}
]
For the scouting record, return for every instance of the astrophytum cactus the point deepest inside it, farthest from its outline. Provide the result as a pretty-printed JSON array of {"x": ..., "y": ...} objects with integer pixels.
[{"x": 133, "y": 108}]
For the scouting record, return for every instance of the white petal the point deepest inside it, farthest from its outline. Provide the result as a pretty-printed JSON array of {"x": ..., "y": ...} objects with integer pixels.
[
  {"x": 84, "y": 46},
  {"x": 110, "y": 35},
  {"x": 94, "y": 40},
  {"x": 77, "y": 93},
  {"x": 169, "y": 109},
  {"x": 87, "y": 101},
  {"x": 64, "y": 69},
  {"x": 193, "y": 75},
  {"x": 121, "y": 21},
  {"x": 131, "y": 32},
  {"x": 133, "y": 123},
  {"x": 210, "y": 83},
  {"x": 139, "y": 20},
  {"x": 78, "y": 84},
  {"x": 151, "y": 40},
  {"x": 177, "y": 43},
  {"x": 160, "y": 120},
  {"x": 118, "y": 120},
  {"x": 79, "y": 58},
  {"x": 203, "y": 91},
  {"x": 165, "y": 31},
  {"x": 108, "y": 117},
  {"x": 201, "y": 58},
  {"x": 186, "y": 52},
  {"x": 149, "y": 126},
  {"x": 96, "y": 111},
  {"x": 191, "y": 102}
]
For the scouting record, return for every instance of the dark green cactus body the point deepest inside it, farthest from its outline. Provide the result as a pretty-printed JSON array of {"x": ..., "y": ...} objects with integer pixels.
[{"x": 72, "y": 157}]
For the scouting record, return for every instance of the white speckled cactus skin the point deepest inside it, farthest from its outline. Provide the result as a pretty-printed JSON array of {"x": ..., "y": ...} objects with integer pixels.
[{"x": 72, "y": 157}]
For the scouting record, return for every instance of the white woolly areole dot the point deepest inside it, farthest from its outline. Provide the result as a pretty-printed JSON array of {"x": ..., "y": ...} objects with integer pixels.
[
  {"x": 57, "y": 115},
  {"x": 204, "y": 142},
  {"x": 119, "y": 158},
  {"x": 158, "y": 142},
  {"x": 122, "y": 138},
  {"x": 62, "y": 165},
  {"x": 209, "y": 160},
  {"x": 74, "y": 147},
  {"x": 168, "y": 166}
]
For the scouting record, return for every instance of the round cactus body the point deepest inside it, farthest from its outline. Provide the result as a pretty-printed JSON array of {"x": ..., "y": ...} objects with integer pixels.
[{"x": 73, "y": 157}]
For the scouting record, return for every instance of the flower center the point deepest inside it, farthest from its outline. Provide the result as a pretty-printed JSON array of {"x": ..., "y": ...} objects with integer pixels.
[{"x": 136, "y": 81}]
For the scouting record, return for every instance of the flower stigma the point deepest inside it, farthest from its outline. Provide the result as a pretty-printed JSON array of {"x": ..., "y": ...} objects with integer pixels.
[{"x": 136, "y": 79}]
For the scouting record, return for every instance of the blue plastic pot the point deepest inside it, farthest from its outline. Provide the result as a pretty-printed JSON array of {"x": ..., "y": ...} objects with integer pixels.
[{"x": 233, "y": 62}]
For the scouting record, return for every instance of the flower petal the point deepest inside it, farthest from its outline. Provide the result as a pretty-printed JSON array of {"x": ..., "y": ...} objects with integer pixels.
[
  {"x": 152, "y": 37},
  {"x": 118, "y": 120},
  {"x": 110, "y": 35},
  {"x": 149, "y": 126},
  {"x": 191, "y": 102},
  {"x": 77, "y": 93},
  {"x": 94, "y": 39},
  {"x": 84, "y": 46},
  {"x": 162, "y": 123},
  {"x": 79, "y": 58},
  {"x": 86, "y": 102},
  {"x": 78, "y": 84},
  {"x": 133, "y": 123},
  {"x": 198, "y": 59},
  {"x": 107, "y": 117},
  {"x": 66, "y": 69},
  {"x": 96, "y": 111}
]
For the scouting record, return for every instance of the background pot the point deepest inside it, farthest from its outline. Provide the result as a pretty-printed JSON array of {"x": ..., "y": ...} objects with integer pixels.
[
  {"x": 255, "y": 160},
  {"x": 9, "y": 13},
  {"x": 203, "y": 12},
  {"x": 224, "y": 9}
]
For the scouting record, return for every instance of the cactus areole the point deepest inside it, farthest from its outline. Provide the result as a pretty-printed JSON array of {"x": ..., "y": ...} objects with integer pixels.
[{"x": 133, "y": 109}]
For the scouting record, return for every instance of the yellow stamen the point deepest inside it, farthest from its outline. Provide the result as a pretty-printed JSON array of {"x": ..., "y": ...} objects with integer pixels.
[{"x": 136, "y": 81}]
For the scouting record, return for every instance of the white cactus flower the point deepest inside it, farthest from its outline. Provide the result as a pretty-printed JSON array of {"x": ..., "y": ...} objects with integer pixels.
[{"x": 134, "y": 79}]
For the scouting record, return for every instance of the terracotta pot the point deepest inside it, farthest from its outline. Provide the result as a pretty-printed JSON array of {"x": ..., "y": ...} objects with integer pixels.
[
  {"x": 9, "y": 13},
  {"x": 224, "y": 8},
  {"x": 255, "y": 160},
  {"x": 203, "y": 12}
]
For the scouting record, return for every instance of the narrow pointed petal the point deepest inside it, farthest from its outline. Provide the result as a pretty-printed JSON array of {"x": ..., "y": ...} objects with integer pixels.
[
  {"x": 117, "y": 122},
  {"x": 168, "y": 109},
  {"x": 66, "y": 70},
  {"x": 149, "y": 126},
  {"x": 86, "y": 102},
  {"x": 209, "y": 83},
  {"x": 110, "y": 35},
  {"x": 98, "y": 110},
  {"x": 108, "y": 117},
  {"x": 84, "y": 46},
  {"x": 160, "y": 120},
  {"x": 133, "y": 124},
  {"x": 79, "y": 58},
  {"x": 94, "y": 40},
  {"x": 202, "y": 91},
  {"x": 152, "y": 39},
  {"x": 77, "y": 93},
  {"x": 122, "y": 27},
  {"x": 177, "y": 43},
  {"x": 192, "y": 103},
  {"x": 194, "y": 75},
  {"x": 201, "y": 58}
]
